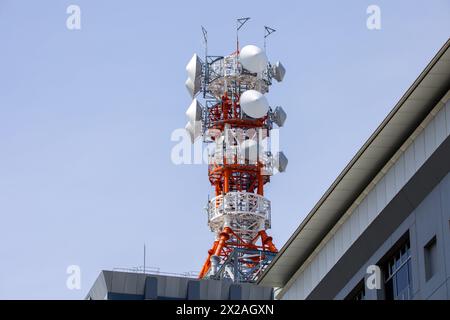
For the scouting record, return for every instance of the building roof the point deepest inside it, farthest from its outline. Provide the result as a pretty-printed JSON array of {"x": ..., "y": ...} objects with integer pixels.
[
  {"x": 119, "y": 285},
  {"x": 400, "y": 123}
]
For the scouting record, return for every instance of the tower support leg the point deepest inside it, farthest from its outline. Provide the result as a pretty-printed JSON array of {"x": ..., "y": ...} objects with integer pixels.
[
  {"x": 267, "y": 241},
  {"x": 215, "y": 250}
]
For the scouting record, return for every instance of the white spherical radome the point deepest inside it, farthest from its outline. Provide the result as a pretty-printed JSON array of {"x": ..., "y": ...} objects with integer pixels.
[
  {"x": 253, "y": 58},
  {"x": 254, "y": 104}
]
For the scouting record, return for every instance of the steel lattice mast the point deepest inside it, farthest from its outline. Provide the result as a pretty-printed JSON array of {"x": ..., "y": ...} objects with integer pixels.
[{"x": 237, "y": 119}]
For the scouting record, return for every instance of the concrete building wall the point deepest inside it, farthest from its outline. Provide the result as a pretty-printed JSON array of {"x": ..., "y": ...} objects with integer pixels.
[
  {"x": 430, "y": 219},
  {"x": 422, "y": 144}
]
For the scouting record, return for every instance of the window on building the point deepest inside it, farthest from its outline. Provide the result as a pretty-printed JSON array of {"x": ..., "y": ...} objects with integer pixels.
[
  {"x": 359, "y": 293},
  {"x": 430, "y": 254},
  {"x": 398, "y": 284}
]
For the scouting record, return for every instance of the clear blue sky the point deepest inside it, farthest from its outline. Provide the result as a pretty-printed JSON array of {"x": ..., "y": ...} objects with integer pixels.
[{"x": 86, "y": 118}]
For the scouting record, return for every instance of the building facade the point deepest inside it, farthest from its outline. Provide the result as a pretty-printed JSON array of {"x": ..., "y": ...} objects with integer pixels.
[{"x": 382, "y": 230}]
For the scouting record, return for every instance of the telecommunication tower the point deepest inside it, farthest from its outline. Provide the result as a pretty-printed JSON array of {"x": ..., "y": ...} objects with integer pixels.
[{"x": 235, "y": 120}]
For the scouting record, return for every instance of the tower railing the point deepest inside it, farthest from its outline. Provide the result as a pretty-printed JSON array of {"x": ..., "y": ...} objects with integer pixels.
[{"x": 239, "y": 205}]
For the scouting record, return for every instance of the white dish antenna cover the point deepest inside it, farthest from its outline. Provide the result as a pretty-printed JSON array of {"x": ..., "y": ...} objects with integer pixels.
[
  {"x": 194, "y": 67},
  {"x": 253, "y": 58},
  {"x": 194, "y": 71},
  {"x": 279, "y": 71},
  {"x": 190, "y": 86},
  {"x": 279, "y": 116},
  {"x": 194, "y": 112},
  {"x": 194, "y": 130},
  {"x": 280, "y": 162},
  {"x": 254, "y": 104}
]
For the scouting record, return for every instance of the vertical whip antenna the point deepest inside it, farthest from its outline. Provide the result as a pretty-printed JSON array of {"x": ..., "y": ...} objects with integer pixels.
[
  {"x": 205, "y": 41},
  {"x": 240, "y": 23},
  {"x": 145, "y": 251},
  {"x": 267, "y": 32}
]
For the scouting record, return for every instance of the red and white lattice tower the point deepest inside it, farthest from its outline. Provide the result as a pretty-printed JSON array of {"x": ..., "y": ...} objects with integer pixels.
[{"x": 236, "y": 120}]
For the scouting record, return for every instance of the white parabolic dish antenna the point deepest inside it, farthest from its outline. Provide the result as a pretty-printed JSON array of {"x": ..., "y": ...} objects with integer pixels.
[
  {"x": 194, "y": 68},
  {"x": 194, "y": 112},
  {"x": 194, "y": 71},
  {"x": 254, "y": 104},
  {"x": 194, "y": 130},
  {"x": 190, "y": 86},
  {"x": 253, "y": 58}
]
